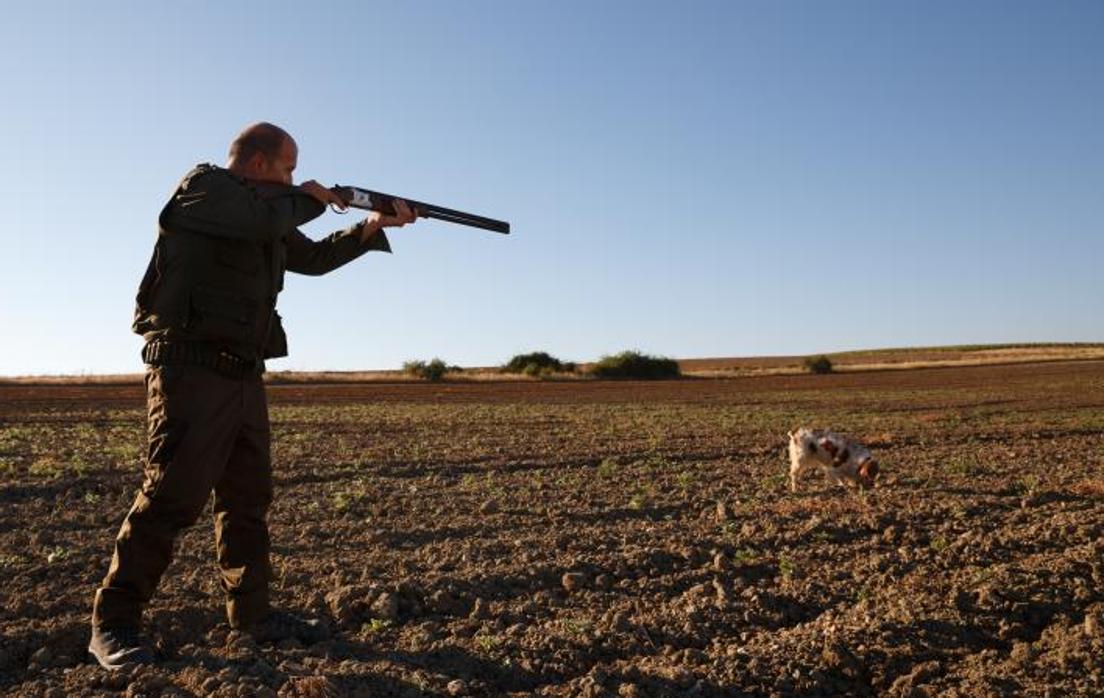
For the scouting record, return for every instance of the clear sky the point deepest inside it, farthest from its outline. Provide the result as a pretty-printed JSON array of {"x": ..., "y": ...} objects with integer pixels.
[{"x": 687, "y": 179}]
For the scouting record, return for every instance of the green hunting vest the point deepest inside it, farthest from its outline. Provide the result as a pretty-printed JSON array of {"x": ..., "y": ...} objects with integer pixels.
[{"x": 223, "y": 245}]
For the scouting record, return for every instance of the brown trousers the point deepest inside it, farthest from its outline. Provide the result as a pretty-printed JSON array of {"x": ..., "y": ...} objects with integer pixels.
[{"x": 206, "y": 432}]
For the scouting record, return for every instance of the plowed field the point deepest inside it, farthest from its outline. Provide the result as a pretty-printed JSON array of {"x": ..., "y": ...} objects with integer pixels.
[{"x": 595, "y": 539}]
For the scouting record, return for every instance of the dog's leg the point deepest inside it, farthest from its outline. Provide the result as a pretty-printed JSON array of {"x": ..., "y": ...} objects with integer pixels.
[{"x": 795, "y": 472}]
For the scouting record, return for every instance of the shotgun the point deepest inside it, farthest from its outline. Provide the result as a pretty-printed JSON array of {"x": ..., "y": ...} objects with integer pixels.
[{"x": 385, "y": 204}]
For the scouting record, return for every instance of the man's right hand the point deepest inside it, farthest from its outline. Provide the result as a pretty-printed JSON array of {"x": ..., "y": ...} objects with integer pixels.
[{"x": 323, "y": 194}]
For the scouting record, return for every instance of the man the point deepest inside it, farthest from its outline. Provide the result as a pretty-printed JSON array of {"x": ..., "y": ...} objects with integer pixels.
[{"x": 207, "y": 310}]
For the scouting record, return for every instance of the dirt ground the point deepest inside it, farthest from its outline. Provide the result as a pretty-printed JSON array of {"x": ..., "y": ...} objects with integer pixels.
[{"x": 596, "y": 539}]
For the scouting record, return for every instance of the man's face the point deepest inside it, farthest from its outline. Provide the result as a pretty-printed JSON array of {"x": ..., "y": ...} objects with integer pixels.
[{"x": 279, "y": 168}]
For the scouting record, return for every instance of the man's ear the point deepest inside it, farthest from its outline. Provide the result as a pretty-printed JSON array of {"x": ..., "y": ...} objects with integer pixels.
[{"x": 258, "y": 164}]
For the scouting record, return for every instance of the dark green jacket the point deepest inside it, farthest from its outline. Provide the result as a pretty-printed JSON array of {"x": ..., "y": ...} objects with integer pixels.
[{"x": 223, "y": 245}]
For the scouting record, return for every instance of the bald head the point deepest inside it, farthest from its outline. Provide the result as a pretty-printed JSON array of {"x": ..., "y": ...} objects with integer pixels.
[
  {"x": 263, "y": 151},
  {"x": 261, "y": 137}
]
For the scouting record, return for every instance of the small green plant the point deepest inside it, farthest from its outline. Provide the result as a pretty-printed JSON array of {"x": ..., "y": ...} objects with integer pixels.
[
  {"x": 633, "y": 364},
  {"x": 91, "y": 498},
  {"x": 57, "y": 554},
  {"x": 745, "y": 556},
  {"x": 353, "y": 493},
  {"x": 486, "y": 642},
  {"x": 639, "y": 499},
  {"x": 433, "y": 371},
  {"x": 14, "y": 438},
  {"x": 47, "y": 466},
  {"x": 685, "y": 479},
  {"x": 818, "y": 364},
  {"x": 342, "y": 500},
  {"x": 773, "y": 481},
  {"x": 576, "y": 626},
  {"x": 1027, "y": 485},
  {"x": 963, "y": 465},
  {"x": 607, "y": 468},
  {"x": 983, "y": 575},
  {"x": 375, "y": 625},
  {"x": 786, "y": 567}
]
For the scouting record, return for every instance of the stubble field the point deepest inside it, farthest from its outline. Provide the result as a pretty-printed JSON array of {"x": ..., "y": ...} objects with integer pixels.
[{"x": 596, "y": 539}]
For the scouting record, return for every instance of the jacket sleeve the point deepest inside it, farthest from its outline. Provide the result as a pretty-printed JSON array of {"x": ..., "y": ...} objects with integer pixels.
[
  {"x": 212, "y": 201},
  {"x": 316, "y": 257}
]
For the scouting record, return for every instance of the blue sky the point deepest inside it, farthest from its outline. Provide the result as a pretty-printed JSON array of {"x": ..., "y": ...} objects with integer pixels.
[{"x": 688, "y": 179}]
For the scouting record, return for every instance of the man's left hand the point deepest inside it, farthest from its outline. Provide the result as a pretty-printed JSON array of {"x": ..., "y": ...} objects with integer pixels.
[{"x": 377, "y": 221}]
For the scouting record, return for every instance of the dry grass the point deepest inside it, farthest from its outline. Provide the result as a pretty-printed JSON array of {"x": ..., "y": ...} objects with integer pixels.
[
  {"x": 853, "y": 361},
  {"x": 80, "y": 379},
  {"x": 896, "y": 359},
  {"x": 470, "y": 375}
]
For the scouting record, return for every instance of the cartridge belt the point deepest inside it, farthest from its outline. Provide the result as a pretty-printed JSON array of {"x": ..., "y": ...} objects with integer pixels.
[{"x": 161, "y": 353}]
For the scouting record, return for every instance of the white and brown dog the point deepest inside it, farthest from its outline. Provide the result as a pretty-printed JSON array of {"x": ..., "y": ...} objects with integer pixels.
[{"x": 845, "y": 461}]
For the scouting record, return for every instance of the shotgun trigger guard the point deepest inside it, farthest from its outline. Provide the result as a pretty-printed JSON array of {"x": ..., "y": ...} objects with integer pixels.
[{"x": 335, "y": 209}]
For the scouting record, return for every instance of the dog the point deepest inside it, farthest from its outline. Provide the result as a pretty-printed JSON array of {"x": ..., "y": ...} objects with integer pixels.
[{"x": 843, "y": 460}]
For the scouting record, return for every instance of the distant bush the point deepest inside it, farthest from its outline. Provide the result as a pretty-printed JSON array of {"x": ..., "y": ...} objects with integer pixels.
[
  {"x": 537, "y": 363},
  {"x": 632, "y": 364},
  {"x": 818, "y": 364},
  {"x": 434, "y": 370}
]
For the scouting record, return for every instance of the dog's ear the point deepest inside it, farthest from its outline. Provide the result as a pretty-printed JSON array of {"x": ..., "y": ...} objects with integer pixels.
[{"x": 869, "y": 470}]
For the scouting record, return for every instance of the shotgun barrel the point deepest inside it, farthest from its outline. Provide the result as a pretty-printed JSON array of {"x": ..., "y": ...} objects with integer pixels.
[{"x": 385, "y": 204}]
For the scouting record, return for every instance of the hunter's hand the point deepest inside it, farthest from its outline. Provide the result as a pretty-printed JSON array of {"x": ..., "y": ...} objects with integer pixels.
[
  {"x": 376, "y": 220},
  {"x": 323, "y": 194}
]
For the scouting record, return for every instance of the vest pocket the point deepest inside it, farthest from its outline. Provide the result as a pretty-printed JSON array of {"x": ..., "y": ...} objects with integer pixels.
[
  {"x": 276, "y": 341},
  {"x": 221, "y": 315}
]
